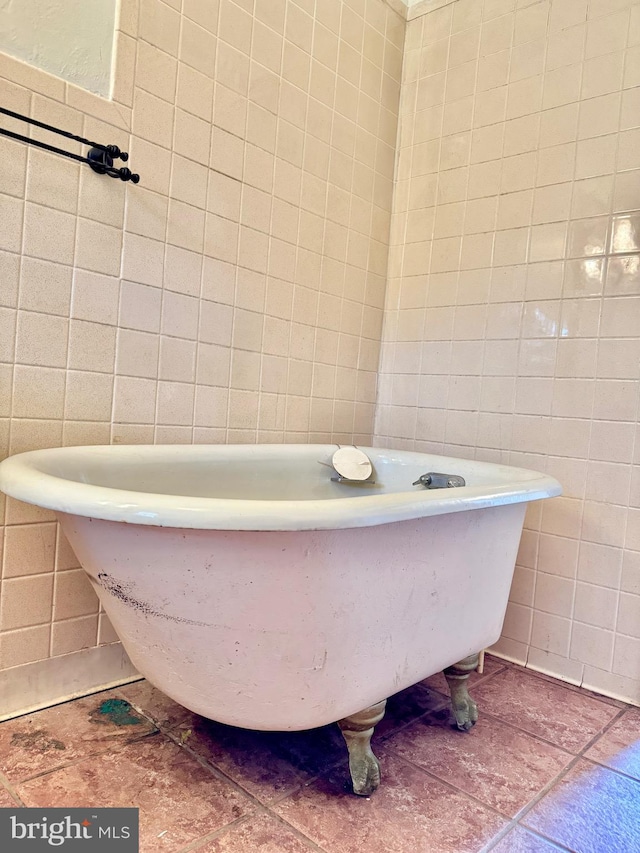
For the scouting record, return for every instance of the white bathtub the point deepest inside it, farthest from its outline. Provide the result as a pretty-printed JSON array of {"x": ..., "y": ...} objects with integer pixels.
[{"x": 252, "y": 589}]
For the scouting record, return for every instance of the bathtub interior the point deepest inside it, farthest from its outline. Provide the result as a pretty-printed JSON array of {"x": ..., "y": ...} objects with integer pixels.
[{"x": 263, "y": 473}]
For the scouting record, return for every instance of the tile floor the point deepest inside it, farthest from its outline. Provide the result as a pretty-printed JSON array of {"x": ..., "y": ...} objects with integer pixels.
[{"x": 548, "y": 767}]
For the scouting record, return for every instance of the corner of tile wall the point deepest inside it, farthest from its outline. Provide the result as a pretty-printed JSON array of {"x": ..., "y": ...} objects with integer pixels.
[
  {"x": 42, "y": 683},
  {"x": 513, "y": 305}
]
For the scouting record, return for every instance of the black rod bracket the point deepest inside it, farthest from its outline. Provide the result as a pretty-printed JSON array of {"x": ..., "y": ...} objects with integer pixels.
[
  {"x": 101, "y": 161},
  {"x": 100, "y": 157}
]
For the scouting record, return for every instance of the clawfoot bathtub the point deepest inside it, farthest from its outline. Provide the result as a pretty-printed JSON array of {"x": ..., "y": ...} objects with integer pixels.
[{"x": 257, "y": 588}]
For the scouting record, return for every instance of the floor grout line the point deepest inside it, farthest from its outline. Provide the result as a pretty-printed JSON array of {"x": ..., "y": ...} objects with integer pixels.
[
  {"x": 611, "y": 769},
  {"x": 451, "y": 786},
  {"x": 296, "y": 831},
  {"x": 10, "y": 788},
  {"x": 576, "y": 760},
  {"x": 555, "y": 845},
  {"x": 603, "y": 730},
  {"x": 199, "y": 843},
  {"x": 544, "y": 739},
  {"x": 115, "y": 747}
]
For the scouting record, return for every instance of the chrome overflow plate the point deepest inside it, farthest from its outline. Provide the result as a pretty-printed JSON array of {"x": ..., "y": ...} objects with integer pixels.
[{"x": 434, "y": 480}]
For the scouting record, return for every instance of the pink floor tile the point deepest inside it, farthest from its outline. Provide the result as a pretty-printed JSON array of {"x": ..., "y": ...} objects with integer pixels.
[
  {"x": 179, "y": 800},
  {"x": 263, "y": 834},
  {"x": 6, "y": 800},
  {"x": 591, "y": 810},
  {"x": 521, "y": 841},
  {"x": 39, "y": 742},
  {"x": 266, "y": 764},
  {"x": 501, "y": 766},
  {"x": 619, "y": 747},
  {"x": 154, "y": 704},
  {"x": 544, "y": 708},
  {"x": 410, "y": 812}
]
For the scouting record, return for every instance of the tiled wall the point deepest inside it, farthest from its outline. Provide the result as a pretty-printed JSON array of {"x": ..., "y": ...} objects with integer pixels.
[
  {"x": 234, "y": 295},
  {"x": 513, "y": 307}
]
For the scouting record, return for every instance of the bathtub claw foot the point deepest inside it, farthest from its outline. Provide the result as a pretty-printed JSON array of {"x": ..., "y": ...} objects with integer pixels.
[
  {"x": 363, "y": 765},
  {"x": 464, "y": 708}
]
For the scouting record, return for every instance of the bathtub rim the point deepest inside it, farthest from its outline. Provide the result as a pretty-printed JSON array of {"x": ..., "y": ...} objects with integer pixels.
[{"x": 21, "y": 478}]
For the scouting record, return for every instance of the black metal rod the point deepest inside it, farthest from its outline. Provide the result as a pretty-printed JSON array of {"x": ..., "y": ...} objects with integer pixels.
[
  {"x": 113, "y": 150},
  {"x": 44, "y": 145},
  {"x": 124, "y": 174}
]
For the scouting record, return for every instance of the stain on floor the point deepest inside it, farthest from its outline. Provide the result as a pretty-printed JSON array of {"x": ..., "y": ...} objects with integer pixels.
[
  {"x": 36, "y": 741},
  {"x": 117, "y": 712}
]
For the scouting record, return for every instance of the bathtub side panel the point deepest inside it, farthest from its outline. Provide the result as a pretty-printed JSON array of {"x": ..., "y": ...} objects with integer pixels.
[{"x": 291, "y": 630}]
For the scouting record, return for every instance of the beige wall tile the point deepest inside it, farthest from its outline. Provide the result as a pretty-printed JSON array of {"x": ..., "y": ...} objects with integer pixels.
[
  {"x": 48, "y": 178},
  {"x": 88, "y": 396},
  {"x": 10, "y": 276},
  {"x": 95, "y": 297},
  {"x": 73, "y": 595},
  {"x": 91, "y": 346},
  {"x": 592, "y": 645},
  {"x": 156, "y": 71},
  {"x": 29, "y": 549},
  {"x": 134, "y": 400},
  {"x": 24, "y": 645},
  {"x": 41, "y": 339},
  {"x": 26, "y": 601},
  {"x": 45, "y": 287},
  {"x": 137, "y": 353},
  {"x": 8, "y": 318},
  {"x": 28, "y": 434},
  {"x": 48, "y": 233},
  {"x": 13, "y": 216},
  {"x": 6, "y": 379},
  {"x": 177, "y": 359},
  {"x": 153, "y": 118},
  {"x": 13, "y": 171},
  {"x": 602, "y": 75},
  {"x": 98, "y": 247},
  {"x": 140, "y": 306},
  {"x": 72, "y": 635},
  {"x": 106, "y": 632},
  {"x": 629, "y": 615},
  {"x": 565, "y": 47},
  {"x": 159, "y": 25}
]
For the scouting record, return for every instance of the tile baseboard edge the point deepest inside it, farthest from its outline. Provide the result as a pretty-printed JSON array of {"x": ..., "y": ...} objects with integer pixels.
[
  {"x": 629, "y": 697},
  {"x": 41, "y": 684}
]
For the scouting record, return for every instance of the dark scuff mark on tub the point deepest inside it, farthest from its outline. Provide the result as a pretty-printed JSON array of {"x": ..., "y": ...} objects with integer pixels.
[{"x": 119, "y": 591}]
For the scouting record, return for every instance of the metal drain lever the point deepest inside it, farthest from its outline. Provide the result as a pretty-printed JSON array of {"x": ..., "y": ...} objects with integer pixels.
[{"x": 433, "y": 480}]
